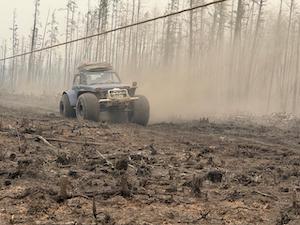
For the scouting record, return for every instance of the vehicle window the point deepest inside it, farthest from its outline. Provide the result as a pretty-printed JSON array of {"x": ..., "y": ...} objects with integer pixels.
[
  {"x": 106, "y": 77},
  {"x": 77, "y": 80}
]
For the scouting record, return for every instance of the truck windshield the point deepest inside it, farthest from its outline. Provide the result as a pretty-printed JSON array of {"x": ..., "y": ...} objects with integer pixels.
[{"x": 103, "y": 77}]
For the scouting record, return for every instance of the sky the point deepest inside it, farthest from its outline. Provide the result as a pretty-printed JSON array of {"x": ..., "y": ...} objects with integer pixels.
[{"x": 25, "y": 11}]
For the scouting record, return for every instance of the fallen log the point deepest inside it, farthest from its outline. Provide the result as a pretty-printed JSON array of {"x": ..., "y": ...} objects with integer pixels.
[
  {"x": 74, "y": 142},
  {"x": 52, "y": 147}
]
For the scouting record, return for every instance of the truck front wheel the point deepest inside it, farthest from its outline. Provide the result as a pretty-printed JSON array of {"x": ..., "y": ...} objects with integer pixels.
[
  {"x": 88, "y": 107},
  {"x": 140, "y": 111}
]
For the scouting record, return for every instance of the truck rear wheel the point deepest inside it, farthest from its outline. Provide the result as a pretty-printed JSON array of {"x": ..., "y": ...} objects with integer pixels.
[
  {"x": 87, "y": 107},
  {"x": 65, "y": 107},
  {"x": 140, "y": 111}
]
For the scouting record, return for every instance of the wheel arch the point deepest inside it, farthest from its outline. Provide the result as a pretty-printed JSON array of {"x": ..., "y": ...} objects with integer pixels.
[
  {"x": 85, "y": 92},
  {"x": 72, "y": 97}
]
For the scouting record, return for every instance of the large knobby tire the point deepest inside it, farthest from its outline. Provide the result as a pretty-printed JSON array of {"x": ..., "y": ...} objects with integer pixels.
[
  {"x": 65, "y": 107},
  {"x": 140, "y": 111},
  {"x": 88, "y": 107}
]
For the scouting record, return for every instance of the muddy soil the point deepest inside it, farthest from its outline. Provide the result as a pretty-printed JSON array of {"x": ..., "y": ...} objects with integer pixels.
[{"x": 238, "y": 170}]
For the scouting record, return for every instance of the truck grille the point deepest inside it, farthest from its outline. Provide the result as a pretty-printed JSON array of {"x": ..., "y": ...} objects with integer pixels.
[{"x": 118, "y": 93}]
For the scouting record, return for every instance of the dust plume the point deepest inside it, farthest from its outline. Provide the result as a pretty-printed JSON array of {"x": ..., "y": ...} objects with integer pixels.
[{"x": 230, "y": 58}]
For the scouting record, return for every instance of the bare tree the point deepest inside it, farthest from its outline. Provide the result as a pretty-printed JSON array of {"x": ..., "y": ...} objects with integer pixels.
[
  {"x": 15, "y": 44},
  {"x": 170, "y": 38},
  {"x": 33, "y": 40},
  {"x": 238, "y": 21},
  {"x": 3, "y": 67},
  {"x": 191, "y": 33}
]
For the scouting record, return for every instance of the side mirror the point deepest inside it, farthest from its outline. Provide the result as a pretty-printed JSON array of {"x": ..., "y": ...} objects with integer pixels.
[{"x": 134, "y": 84}]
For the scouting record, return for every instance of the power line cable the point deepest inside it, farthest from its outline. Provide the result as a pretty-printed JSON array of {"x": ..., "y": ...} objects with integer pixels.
[{"x": 115, "y": 29}]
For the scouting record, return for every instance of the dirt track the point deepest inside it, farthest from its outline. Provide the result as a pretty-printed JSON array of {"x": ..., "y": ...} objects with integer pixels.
[{"x": 236, "y": 171}]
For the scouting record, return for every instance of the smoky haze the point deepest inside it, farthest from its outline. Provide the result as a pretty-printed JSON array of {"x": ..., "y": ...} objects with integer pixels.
[
  {"x": 223, "y": 59},
  {"x": 25, "y": 12}
]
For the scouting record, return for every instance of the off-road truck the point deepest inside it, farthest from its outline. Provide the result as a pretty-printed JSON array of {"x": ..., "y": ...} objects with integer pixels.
[{"x": 97, "y": 88}]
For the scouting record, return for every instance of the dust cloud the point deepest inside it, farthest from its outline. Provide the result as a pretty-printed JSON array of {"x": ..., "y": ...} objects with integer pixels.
[{"x": 193, "y": 65}]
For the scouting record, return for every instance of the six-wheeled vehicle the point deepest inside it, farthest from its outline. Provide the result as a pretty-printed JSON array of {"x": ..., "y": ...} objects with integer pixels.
[{"x": 98, "y": 89}]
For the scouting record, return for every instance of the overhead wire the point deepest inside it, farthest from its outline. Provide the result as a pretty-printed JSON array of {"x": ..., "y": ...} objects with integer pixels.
[{"x": 115, "y": 29}]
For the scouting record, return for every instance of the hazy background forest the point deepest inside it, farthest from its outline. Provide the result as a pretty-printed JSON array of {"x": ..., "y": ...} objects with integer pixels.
[{"x": 235, "y": 56}]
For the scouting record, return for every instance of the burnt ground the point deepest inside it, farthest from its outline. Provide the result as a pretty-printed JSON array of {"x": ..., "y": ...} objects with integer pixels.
[{"x": 239, "y": 170}]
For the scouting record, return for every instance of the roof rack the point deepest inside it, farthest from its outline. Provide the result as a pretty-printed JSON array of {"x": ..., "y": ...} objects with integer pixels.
[{"x": 94, "y": 67}]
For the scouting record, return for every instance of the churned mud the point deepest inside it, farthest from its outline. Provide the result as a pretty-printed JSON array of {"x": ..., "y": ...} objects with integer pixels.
[{"x": 232, "y": 171}]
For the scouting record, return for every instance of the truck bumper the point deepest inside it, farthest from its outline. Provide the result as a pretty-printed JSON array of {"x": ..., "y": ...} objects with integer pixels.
[{"x": 113, "y": 102}]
